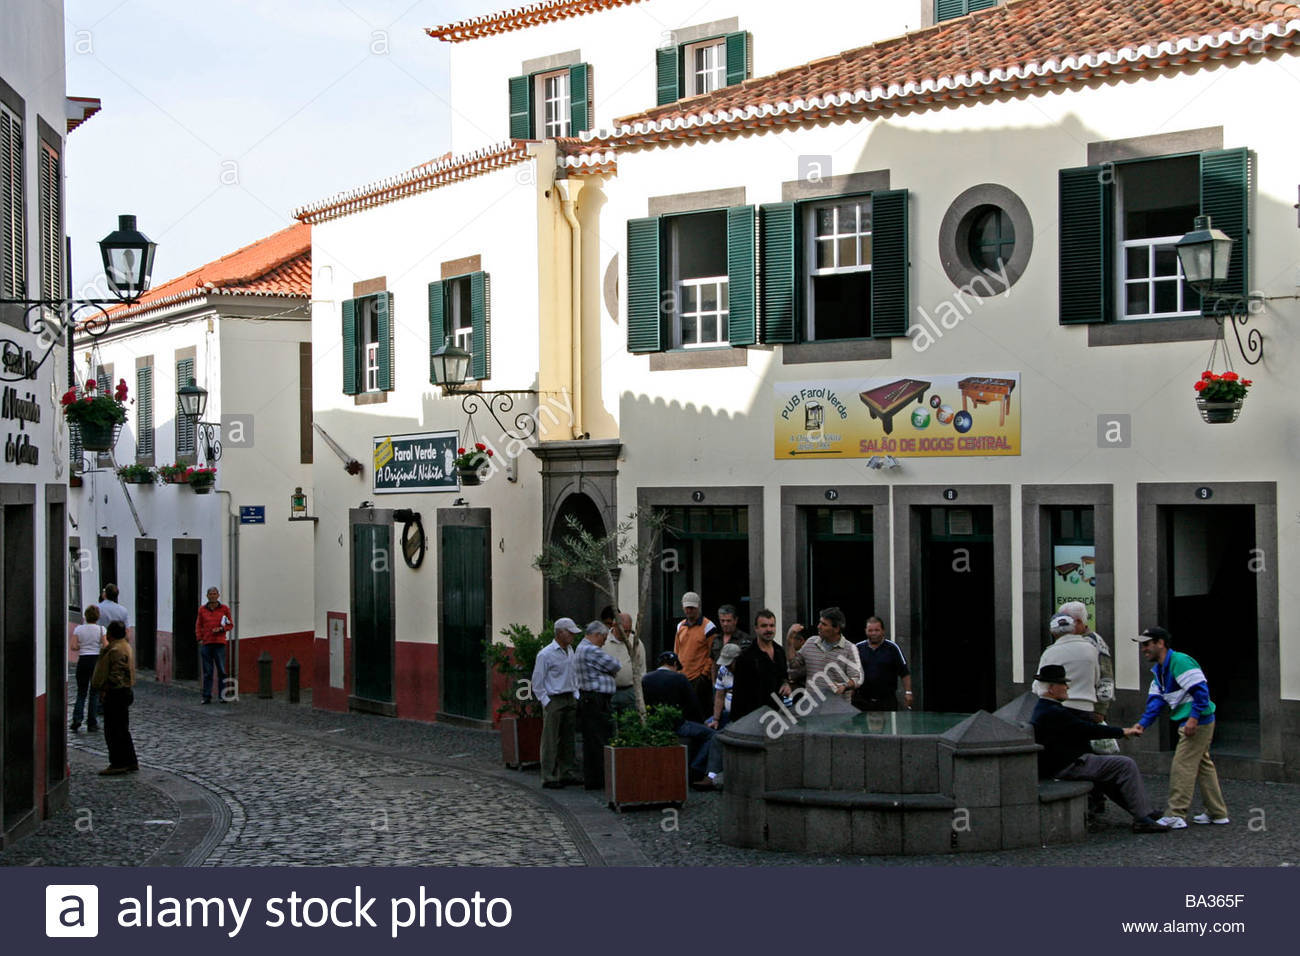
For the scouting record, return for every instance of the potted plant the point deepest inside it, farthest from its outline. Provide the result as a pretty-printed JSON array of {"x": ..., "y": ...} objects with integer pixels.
[
  {"x": 471, "y": 464},
  {"x": 201, "y": 479},
  {"x": 171, "y": 474},
  {"x": 1220, "y": 397},
  {"x": 645, "y": 763},
  {"x": 519, "y": 713},
  {"x": 98, "y": 417},
  {"x": 137, "y": 474}
]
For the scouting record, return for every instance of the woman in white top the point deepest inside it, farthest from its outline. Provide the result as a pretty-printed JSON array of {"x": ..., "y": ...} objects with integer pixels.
[{"x": 86, "y": 641}]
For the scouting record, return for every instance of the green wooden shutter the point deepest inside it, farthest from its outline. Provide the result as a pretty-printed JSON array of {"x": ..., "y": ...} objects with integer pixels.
[
  {"x": 144, "y": 412},
  {"x": 384, "y": 322},
  {"x": 948, "y": 9},
  {"x": 437, "y": 321},
  {"x": 973, "y": 5},
  {"x": 350, "y": 377},
  {"x": 521, "y": 107},
  {"x": 1225, "y": 198},
  {"x": 1084, "y": 267},
  {"x": 779, "y": 270},
  {"x": 579, "y": 98},
  {"x": 668, "y": 75},
  {"x": 480, "y": 314},
  {"x": 742, "y": 324},
  {"x": 185, "y": 446},
  {"x": 643, "y": 330},
  {"x": 737, "y": 57},
  {"x": 890, "y": 306}
]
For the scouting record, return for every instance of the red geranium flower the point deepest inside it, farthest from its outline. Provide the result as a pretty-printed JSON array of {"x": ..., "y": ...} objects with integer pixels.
[
  {"x": 1199, "y": 386},
  {"x": 460, "y": 451},
  {"x": 480, "y": 446},
  {"x": 489, "y": 451},
  {"x": 90, "y": 385},
  {"x": 1229, "y": 376},
  {"x": 1246, "y": 381},
  {"x": 1207, "y": 374}
]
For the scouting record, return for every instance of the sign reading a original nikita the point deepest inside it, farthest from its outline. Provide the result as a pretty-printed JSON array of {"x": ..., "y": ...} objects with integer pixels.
[
  {"x": 931, "y": 416},
  {"x": 414, "y": 463}
]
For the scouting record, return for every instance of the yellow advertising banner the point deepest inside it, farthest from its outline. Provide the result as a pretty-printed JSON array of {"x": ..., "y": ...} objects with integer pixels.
[{"x": 935, "y": 416}]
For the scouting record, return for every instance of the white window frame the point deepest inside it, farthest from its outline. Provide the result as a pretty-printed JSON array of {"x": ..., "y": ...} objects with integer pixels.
[
  {"x": 371, "y": 344},
  {"x": 460, "y": 319},
  {"x": 712, "y": 74},
  {"x": 723, "y": 290},
  {"x": 811, "y": 241},
  {"x": 554, "y": 106},
  {"x": 1150, "y": 280}
]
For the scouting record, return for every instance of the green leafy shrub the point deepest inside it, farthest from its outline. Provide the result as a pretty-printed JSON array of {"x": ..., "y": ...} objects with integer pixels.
[{"x": 658, "y": 730}]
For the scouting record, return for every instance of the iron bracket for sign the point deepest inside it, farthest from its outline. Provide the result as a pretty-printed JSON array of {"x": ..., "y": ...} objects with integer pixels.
[
  {"x": 17, "y": 364},
  {"x": 1236, "y": 310},
  {"x": 498, "y": 404},
  {"x": 209, "y": 436}
]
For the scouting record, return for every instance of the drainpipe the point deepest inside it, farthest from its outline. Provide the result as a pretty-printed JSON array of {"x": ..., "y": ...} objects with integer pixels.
[
  {"x": 569, "y": 191},
  {"x": 232, "y": 548}
]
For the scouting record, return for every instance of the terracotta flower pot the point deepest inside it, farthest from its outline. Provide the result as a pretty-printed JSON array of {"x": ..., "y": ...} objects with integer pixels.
[{"x": 645, "y": 776}]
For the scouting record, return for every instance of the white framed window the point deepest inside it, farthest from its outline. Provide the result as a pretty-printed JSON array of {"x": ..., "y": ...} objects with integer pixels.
[
  {"x": 699, "y": 281},
  {"x": 460, "y": 320},
  {"x": 837, "y": 251},
  {"x": 1158, "y": 200},
  {"x": 706, "y": 66},
  {"x": 552, "y": 96},
  {"x": 371, "y": 319}
]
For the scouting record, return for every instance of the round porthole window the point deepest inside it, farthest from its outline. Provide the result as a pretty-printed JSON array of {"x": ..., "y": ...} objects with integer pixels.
[{"x": 985, "y": 239}]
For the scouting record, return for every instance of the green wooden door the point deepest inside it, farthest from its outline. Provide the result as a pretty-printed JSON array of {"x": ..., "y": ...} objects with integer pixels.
[
  {"x": 464, "y": 621},
  {"x": 372, "y": 619}
]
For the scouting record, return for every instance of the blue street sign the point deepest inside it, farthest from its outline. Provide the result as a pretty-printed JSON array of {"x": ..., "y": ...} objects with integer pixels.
[{"x": 252, "y": 514}]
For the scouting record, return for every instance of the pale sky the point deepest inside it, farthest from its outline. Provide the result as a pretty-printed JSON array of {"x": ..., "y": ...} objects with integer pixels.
[{"x": 221, "y": 117}]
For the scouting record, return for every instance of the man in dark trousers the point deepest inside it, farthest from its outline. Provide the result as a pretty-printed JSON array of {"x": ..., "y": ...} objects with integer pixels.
[
  {"x": 594, "y": 672},
  {"x": 211, "y": 626},
  {"x": 883, "y": 665},
  {"x": 1066, "y": 737},
  {"x": 760, "y": 670},
  {"x": 113, "y": 679},
  {"x": 666, "y": 685}
]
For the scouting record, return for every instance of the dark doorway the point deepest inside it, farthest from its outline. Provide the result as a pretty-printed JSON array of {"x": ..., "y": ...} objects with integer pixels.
[
  {"x": 840, "y": 567},
  {"x": 464, "y": 628},
  {"x": 56, "y": 648},
  {"x": 18, "y": 614},
  {"x": 107, "y": 566},
  {"x": 185, "y": 608},
  {"x": 956, "y": 652},
  {"x": 146, "y": 609},
  {"x": 373, "y": 639},
  {"x": 579, "y": 600},
  {"x": 704, "y": 550},
  {"x": 1208, "y": 601}
]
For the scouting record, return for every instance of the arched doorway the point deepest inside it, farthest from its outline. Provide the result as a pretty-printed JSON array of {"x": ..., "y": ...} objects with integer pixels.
[{"x": 579, "y": 600}]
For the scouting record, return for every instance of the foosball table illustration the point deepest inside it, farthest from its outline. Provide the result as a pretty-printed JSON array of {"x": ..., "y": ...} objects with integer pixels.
[{"x": 986, "y": 391}]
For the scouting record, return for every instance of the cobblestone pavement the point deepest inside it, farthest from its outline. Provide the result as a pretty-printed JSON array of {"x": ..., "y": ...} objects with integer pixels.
[{"x": 269, "y": 783}]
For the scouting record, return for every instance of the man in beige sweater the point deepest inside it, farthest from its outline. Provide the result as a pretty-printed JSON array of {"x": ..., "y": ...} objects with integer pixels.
[{"x": 828, "y": 662}]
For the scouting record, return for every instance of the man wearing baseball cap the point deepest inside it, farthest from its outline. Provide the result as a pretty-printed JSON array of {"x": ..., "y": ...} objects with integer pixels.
[
  {"x": 1079, "y": 657},
  {"x": 556, "y": 689},
  {"x": 1066, "y": 736},
  {"x": 1179, "y": 684},
  {"x": 691, "y": 645}
]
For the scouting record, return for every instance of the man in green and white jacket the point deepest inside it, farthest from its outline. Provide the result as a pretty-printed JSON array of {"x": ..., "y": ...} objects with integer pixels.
[{"x": 1179, "y": 684}]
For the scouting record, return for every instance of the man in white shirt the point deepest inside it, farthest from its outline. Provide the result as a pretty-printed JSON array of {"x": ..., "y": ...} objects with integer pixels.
[
  {"x": 555, "y": 687},
  {"x": 1078, "y": 656},
  {"x": 109, "y": 609}
]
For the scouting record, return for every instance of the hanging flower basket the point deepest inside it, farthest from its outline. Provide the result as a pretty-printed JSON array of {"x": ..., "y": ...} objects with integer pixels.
[
  {"x": 201, "y": 479},
  {"x": 98, "y": 418},
  {"x": 1219, "y": 397},
  {"x": 470, "y": 465}
]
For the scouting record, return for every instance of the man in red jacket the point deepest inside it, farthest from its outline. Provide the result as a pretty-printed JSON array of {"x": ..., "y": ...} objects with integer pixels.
[{"x": 211, "y": 627}]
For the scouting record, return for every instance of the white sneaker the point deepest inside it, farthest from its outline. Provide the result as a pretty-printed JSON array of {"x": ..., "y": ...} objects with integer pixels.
[
  {"x": 1174, "y": 823},
  {"x": 1205, "y": 818}
]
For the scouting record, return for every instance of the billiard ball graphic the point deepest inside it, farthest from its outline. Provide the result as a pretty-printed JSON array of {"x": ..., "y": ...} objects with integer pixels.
[
  {"x": 920, "y": 418},
  {"x": 962, "y": 421},
  {"x": 944, "y": 415},
  {"x": 935, "y": 401}
]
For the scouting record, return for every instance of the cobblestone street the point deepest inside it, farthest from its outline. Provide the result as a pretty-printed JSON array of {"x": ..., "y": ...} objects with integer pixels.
[{"x": 258, "y": 783}]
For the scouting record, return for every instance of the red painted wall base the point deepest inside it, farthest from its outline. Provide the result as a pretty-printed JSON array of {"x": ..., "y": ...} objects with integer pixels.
[{"x": 281, "y": 647}]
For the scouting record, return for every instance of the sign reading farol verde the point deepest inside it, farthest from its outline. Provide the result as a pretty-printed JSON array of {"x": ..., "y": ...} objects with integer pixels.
[
  {"x": 931, "y": 416},
  {"x": 412, "y": 463}
]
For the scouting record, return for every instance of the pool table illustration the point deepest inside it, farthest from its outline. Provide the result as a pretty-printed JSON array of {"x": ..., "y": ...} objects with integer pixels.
[
  {"x": 886, "y": 401},
  {"x": 986, "y": 391}
]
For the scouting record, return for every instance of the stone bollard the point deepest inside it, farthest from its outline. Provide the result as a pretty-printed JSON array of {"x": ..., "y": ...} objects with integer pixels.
[
  {"x": 264, "y": 676},
  {"x": 292, "y": 668}
]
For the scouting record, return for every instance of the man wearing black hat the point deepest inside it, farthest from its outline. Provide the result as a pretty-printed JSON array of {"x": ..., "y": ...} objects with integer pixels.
[{"x": 1066, "y": 736}]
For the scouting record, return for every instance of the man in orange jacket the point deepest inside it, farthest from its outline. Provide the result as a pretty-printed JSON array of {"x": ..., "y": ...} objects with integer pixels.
[{"x": 211, "y": 627}]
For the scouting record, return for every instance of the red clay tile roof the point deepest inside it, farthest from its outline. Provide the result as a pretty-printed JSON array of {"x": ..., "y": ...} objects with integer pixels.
[
  {"x": 441, "y": 172},
  {"x": 279, "y": 265},
  {"x": 79, "y": 109},
  {"x": 1023, "y": 44},
  {"x": 520, "y": 18}
]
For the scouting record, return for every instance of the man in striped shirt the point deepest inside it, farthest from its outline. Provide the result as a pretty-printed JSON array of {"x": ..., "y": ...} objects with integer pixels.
[
  {"x": 594, "y": 671},
  {"x": 828, "y": 662}
]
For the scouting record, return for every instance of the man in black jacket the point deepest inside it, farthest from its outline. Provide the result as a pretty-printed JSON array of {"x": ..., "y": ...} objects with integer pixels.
[
  {"x": 760, "y": 670},
  {"x": 666, "y": 685},
  {"x": 1066, "y": 737}
]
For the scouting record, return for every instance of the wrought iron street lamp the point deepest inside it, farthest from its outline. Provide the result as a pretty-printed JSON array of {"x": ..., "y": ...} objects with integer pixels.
[
  {"x": 128, "y": 259},
  {"x": 192, "y": 401},
  {"x": 449, "y": 367},
  {"x": 1205, "y": 254}
]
